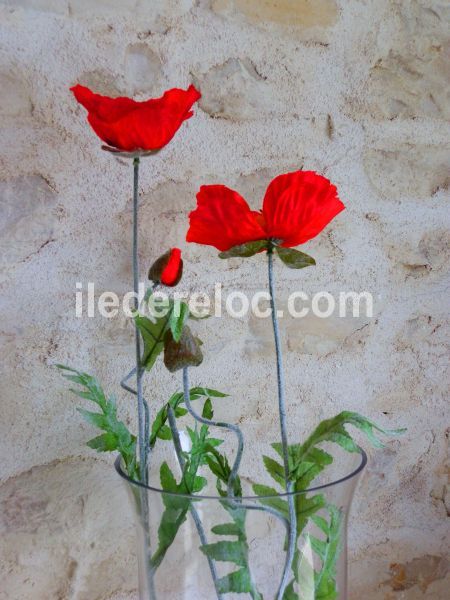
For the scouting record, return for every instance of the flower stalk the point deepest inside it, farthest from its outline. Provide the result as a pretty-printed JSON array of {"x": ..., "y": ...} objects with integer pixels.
[
  {"x": 292, "y": 531},
  {"x": 143, "y": 417}
]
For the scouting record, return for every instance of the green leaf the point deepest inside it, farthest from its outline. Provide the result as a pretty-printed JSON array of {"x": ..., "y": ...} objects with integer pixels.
[
  {"x": 245, "y": 250},
  {"x": 307, "y": 470},
  {"x": 152, "y": 332},
  {"x": 175, "y": 512},
  {"x": 333, "y": 430},
  {"x": 171, "y": 521},
  {"x": 239, "y": 582},
  {"x": 275, "y": 470},
  {"x": 184, "y": 353},
  {"x": 116, "y": 436},
  {"x": 208, "y": 392},
  {"x": 96, "y": 419},
  {"x": 208, "y": 412},
  {"x": 167, "y": 478},
  {"x": 159, "y": 428},
  {"x": 276, "y": 503},
  {"x": 220, "y": 467},
  {"x": 328, "y": 550},
  {"x": 305, "y": 507},
  {"x": 294, "y": 259},
  {"x": 107, "y": 442},
  {"x": 227, "y": 529},
  {"x": 178, "y": 318},
  {"x": 289, "y": 592},
  {"x": 234, "y": 552}
]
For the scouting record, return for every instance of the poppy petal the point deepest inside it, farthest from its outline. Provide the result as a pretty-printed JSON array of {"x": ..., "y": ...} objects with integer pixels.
[
  {"x": 222, "y": 219},
  {"x": 297, "y": 206},
  {"x": 129, "y": 125}
]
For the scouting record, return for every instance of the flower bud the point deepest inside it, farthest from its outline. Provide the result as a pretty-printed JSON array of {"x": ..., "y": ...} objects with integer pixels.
[{"x": 168, "y": 268}]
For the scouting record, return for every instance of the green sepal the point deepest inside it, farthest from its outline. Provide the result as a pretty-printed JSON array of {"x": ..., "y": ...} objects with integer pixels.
[
  {"x": 294, "y": 259},
  {"x": 245, "y": 250}
]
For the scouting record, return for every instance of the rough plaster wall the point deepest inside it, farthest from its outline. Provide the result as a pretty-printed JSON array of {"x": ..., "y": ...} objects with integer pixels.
[{"x": 357, "y": 90}]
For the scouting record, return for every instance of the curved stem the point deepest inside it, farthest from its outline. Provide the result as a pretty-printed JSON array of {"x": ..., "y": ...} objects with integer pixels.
[
  {"x": 234, "y": 428},
  {"x": 292, "y": 537},
  {"x": 143, "y": 421},
  {"x": 193, "y": 510}
]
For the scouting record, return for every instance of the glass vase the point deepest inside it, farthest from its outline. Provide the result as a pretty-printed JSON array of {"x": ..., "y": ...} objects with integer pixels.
[{"x": 203, "y": 547}]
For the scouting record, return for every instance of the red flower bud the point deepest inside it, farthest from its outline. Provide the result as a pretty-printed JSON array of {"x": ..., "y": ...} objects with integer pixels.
[{"x": 168, "y": 268}]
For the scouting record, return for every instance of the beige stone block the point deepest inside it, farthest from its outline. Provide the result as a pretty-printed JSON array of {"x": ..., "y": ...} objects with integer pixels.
[
  {"x": 71, "y": 515},
  {"x": 411, "y": 76},
  {"x": 28, "y": 219},
  {"x": 306, "y": 335},
  {"x": 418, "y": 258},
  {"x": 407, "y": 170},
  {"x": 234, "y": 90},
  {"x": 292, "y": 13},
  {"x": 16, "y": 99},
  {"x": 142, "y": 69},
  {"x": 53, "y": 6}
]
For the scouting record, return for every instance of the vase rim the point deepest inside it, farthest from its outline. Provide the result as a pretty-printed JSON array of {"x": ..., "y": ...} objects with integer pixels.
[{"x": 354, "y": 473}]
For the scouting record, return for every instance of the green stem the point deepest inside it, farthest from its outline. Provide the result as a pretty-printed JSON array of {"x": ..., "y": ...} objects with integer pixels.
[
  {"x": 292, "y": 535},
  {"x": 143, "y": 418}
]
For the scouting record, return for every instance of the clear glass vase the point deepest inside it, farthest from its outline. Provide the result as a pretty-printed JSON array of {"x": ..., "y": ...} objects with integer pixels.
[{"x": 202, "y": 547}]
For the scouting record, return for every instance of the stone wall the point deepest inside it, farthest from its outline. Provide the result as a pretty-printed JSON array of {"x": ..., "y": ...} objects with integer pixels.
[{"x": 357, "y": 90}]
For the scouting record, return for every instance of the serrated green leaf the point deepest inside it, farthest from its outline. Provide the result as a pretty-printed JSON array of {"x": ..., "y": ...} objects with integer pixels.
[
  {"x": 307, "y": 470},
  {"x": 333, "y": 430},
  {"x": 234, "y": 552},
  {"x": 328, "y": 550},
  {"x": 116, "y": 436},
  {"x": 306, "y": 506},
  {"x": 199, "y": 484},
  {"x": 294, "y": 259},
  {"x": 245, "y": 250},
  {"x": 159, "y": 430},
  {"x": 239, "y": 582},
  {"x": 321, "y": 523},
  {"x": 167, "y": 478},
  {"x": 276, "y": 503},
  {"x": 203, "y": 391},
  {"x": 275, "y": 470},
  {"x": 107, "y": 442},
  {"x": 171, "y": 521},
  {"x": 96, "y": 419}
]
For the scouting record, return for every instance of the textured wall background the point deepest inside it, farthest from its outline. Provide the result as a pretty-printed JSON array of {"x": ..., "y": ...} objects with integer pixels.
[{"x": 357, "y": 90}]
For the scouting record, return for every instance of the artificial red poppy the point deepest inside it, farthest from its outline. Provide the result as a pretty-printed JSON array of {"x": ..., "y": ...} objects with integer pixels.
[
  {"x": 128, "y": 125},
  {"x": 296, "y": 207},
  {"x": 168, "y": 268}
]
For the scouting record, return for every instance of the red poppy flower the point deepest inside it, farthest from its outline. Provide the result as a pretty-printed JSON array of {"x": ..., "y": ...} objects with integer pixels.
[
  {"x": 129, "y": 125},
  {"x": 168, "y": 268},
  {"x": 296, "y": 207}
]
